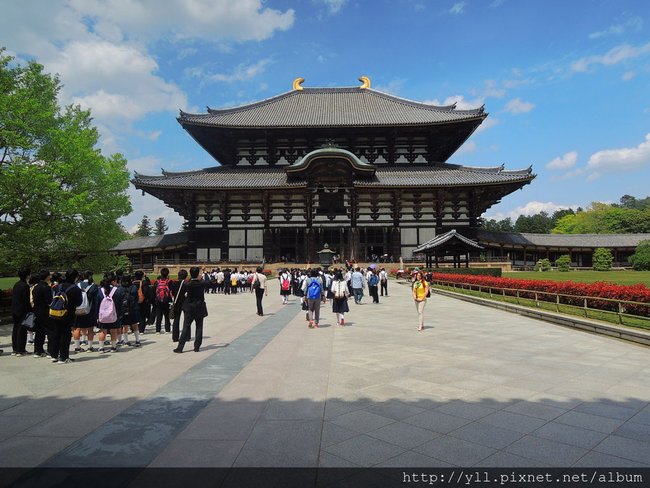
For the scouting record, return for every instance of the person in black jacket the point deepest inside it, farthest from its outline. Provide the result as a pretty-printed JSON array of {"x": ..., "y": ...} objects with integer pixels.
[
  {"x": 178, "y": 289},
  {"x": 20, "y": 306},
  {"x": 59, "y": 345},
  {"x": 42, "y": 295},
  {"x": 144, "y": 305},
  {"x": 194, "y": 310}
]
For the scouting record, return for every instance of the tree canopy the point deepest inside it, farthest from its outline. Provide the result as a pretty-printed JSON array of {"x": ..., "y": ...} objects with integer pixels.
[
  {"x": 60, "y": 197},
  {"x": 630, "y": 216},
  {"x": 144, "y": 227},
  {"x": 160, "y": 226}
]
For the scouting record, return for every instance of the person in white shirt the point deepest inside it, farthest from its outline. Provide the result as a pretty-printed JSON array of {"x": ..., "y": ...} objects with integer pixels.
[
  {"x": 340, "y": 295},
  {"x": 261, "y": 290},
  {"x": 383, "y": 281},
  {"x": 285, "y": 286}
]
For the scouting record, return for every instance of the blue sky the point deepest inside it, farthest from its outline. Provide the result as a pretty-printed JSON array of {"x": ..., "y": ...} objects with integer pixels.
[{"x": 566, "y": 84}]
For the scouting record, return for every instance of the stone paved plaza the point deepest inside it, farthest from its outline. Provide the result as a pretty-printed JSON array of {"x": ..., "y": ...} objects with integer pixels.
[{"x": 477, "y": 387}]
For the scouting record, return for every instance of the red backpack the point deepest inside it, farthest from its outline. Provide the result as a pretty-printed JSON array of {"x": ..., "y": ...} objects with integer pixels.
[{"x": 163, "y": 293}]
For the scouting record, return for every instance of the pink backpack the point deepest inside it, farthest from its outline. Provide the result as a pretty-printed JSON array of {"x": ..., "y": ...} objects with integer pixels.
[{"x": 107, "y": 311}]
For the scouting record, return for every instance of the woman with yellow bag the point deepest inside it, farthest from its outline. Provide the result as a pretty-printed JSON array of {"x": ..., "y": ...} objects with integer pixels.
[{"x": 420, "y": 294}]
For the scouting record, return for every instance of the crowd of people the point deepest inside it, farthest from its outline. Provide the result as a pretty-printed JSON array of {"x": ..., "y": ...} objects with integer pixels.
[
  {"x": 315, "y": 286},
  {"x": 51, "y": 310}
]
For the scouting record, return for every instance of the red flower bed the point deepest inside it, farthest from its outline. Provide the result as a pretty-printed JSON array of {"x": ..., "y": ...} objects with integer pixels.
[{"x": 633, "y": 293}]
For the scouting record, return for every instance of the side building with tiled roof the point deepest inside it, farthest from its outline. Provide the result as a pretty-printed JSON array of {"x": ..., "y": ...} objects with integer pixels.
[
  {"x": 363, "y": 171},
  {"x": 523, "y": 250}
]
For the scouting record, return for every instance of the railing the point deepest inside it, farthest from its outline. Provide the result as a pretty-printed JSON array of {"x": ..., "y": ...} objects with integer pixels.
[{"x": 638, "y": 313}]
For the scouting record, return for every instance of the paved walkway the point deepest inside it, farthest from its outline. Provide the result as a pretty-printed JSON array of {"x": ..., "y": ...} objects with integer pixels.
[{"x": 478, "y": 387}]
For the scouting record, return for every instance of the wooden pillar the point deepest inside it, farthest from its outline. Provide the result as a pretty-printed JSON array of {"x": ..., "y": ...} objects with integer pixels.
[
  {"x": 467, "y": 259},
  {"x": 300, "y": 251}
]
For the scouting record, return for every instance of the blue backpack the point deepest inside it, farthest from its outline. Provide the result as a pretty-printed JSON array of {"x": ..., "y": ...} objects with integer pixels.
[
  {"x": 374, "y": 279},
  {"x": 313, "y": 290}
]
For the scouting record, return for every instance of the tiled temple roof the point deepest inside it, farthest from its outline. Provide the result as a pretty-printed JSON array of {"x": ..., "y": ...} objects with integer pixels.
[
  {"x": 332, "y": 107},
  {"x": 153, "y": 242},
  {"x": 562, "y": 240},
  {"x": 227, "y": 177},
  {"x": 440, "y": 240}
]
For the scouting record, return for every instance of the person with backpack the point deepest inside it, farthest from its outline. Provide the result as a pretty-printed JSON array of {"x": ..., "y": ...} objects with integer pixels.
[
  {"x": 142, "y": 284},
  {"x": 129, "y": 318},
  {"x": 20, "y": 307},
  {"x": 259, "y": 286},
  {"x": 373, "y": 285},
  {"x": 109, "y": 300},
  {"x": 340, "y": 294},
  {"x": 285, "y": 286},
  {"x": 313, "y": 288},
  {"x": 163, "y": 297},
  {"x": 194, "y": 310},
  {"x": 179, "y": 289},
  {"x": 86, "y": 314},
  {"x": 42, "y": 295},
  {"x": 67, "y": 297}
]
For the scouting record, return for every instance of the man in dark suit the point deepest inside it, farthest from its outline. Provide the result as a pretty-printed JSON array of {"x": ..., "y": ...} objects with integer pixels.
[{"x": 20, "y": 306}]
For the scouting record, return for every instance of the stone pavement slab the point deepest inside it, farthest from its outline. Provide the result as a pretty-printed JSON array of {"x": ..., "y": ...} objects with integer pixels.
[{"x": 477, "y": 387}]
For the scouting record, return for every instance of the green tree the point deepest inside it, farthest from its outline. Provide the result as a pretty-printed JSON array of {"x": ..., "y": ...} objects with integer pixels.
[
  {"x": 631, "y": 217},
  {"x": 539, "y": 223},
  {"x": 563, "y": 263},
  {"x": 60, "y": 198},
  {"x": 542, "y": 265},
  {"x": 641, "y": 258},
  {"x": 602, "y": 259},
  {"x": 144, "y": 227},
  {"x": 160, "y": 226}
]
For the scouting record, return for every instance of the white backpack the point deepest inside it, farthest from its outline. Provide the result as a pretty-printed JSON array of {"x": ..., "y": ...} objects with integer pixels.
[
  {"x": 107, "y": 310},
  {"x": 84, "y": 308}
]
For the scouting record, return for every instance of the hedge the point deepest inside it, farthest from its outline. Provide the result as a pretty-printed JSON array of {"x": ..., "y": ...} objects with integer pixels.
[
  {"x": 633, "y": 293},
  {"x": 496, "y": 272}
]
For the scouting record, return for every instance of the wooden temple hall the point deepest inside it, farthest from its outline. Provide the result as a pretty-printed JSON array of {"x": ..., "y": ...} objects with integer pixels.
[{"x": 360, "y": 170}]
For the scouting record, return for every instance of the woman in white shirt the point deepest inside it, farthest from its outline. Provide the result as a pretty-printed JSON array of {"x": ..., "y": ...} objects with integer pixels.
[{"x": 340, "y": 294}]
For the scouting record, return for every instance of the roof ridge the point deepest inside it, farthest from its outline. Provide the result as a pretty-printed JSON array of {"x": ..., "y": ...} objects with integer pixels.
[{"x": 479, "y": 111}]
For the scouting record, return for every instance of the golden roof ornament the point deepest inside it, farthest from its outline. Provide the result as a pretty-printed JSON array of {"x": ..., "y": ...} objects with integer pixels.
[
  {"x": 297, "y": 82},
  {"x": 365, "y": 82}
]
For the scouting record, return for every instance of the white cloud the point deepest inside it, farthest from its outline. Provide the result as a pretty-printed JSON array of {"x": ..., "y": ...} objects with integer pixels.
[
  {"x": 209, "y": 20},
  {"x": 487, "y": 124},
  {"x": 634, "y": 24},
  {"x": 492, "y": 91},
  {"x": 518, "y": 106},
  {"x": 613, "y": 56},
  {"x": 531, "y": 208},
  {"x": 468, "y": 147},
  {"x": 458, "y": 8},
  {"x": 619, "y": 160},
  {"x": 567, "y": 161},
  {"x": 99, "y": 48},
  {"x": 459, "y": 100},
  {"x": 241, "y": 72},
  {"x": 628, "y": 75},
  {"x": 497, "y": 3},
  {"x": 393, "y": 87},
  {"x": 333, "y": 6}
]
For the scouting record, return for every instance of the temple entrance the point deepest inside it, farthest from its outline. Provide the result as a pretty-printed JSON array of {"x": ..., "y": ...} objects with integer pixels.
[{"x": 374, "y": 253}]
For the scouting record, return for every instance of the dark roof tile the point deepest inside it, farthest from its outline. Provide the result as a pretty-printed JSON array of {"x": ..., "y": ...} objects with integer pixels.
[
  {"x": 241, "y": 177},
  {"x": 332, "y": 107}
]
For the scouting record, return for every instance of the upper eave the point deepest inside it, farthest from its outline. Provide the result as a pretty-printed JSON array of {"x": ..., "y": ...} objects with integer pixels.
[
  {"x": 250, "y": 177},
  {"x": 329, "y": 108}
]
